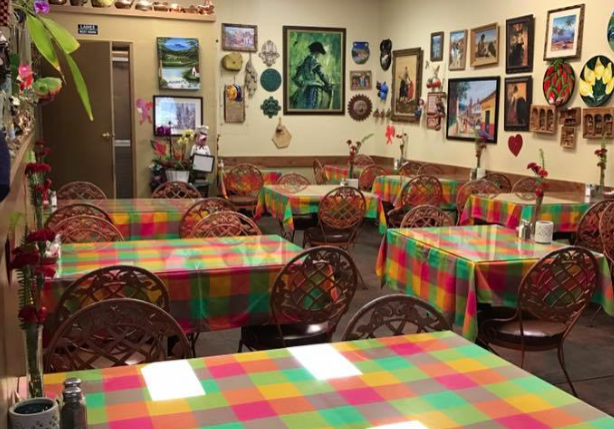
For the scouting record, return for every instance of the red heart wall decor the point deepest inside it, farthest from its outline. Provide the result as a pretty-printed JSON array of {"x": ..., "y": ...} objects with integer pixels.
[{"x": 515, "y": 144}]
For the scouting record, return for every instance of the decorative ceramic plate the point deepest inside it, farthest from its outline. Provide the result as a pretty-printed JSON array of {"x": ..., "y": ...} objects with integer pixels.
[
  {"x": 360, "y": 52},
  {"x": 611, "y": 32},
  {"x": 270, "y": 79},
  {"x": 596, "y": 82},
  {"x": 559, "y": 83},
  {"x": 360, "y": 107}
]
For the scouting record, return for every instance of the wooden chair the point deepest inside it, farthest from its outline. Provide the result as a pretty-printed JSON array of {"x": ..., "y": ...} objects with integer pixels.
[
  {"x": 200, "y": 210},
  {"x": 421, "y": 190},
  {"x": 474, "y": 187},
  {"x": 176, "y": 190},
  {"x": 80, "y": 191},
  {"x": 526, "y": 185},
  {"x": 72, "y": 210},
  {"x": 588, "y": 234},
  {"x": 501, "y": 180},
  {"x": 319, "y": 173},
  {"x": 340, "y": 215},
  {"x": 293, "y": 182},
  {"x": 225, "y": 224},
  {"x": 308, "y": 298},
  {"x": 410, "y": 168},
  {"x": 551, "y": 298},
  {"x": 243, "y": 184},
  {"x": 362, "y": 160},
  {"x": 368, "y": 176},
  {"x": 430, "y": 170},
  {"x": 87, "y": 229},
  {"x": 394, "y": 315},
  {"x": 426, "y": 217},
  {"x": 115, "y": 332},
  {"x": 606, "y": 230}
]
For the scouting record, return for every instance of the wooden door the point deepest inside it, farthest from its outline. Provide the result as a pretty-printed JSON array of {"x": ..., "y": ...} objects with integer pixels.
[{"x": 82, "y": 149}]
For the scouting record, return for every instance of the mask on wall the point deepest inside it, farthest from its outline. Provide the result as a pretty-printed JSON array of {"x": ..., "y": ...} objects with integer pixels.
[
  {"x": 385, "y": 56},
  {"x": 269, "y": 53}
]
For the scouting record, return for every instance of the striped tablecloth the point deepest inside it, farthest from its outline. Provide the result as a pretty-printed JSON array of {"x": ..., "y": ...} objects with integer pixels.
[
  {"x": 336, "y": 173},
  {"x": 214, "y": 283},
  {"x": 425, "y": 381},
  {"x": 269, "y": 176},
  {"x": 389, "y": 189},
  {"x": 455, "y": 268}
]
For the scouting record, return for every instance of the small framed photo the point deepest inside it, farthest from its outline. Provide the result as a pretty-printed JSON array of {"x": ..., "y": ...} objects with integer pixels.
[
  {"x": 361, "y": 80},
  {"x": 437, "y": 46},
  {"x": 564, "y": 29},
  {"x": 457, "y": 50},
  {"x": 182, "y": 113},
  {"x": 431, "y": 102},
  {"x": 484, "y": 45},
  {"x": 518, "y": 99},
  {"x": 519, "y": 36},
  {"x": 239, "y": 37}
]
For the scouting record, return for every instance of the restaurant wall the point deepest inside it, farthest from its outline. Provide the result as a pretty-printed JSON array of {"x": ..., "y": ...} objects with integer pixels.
[{"x": 409, "y": 24}]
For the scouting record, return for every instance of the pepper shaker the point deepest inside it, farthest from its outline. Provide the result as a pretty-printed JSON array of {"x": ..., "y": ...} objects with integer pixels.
[{"x": 74, "y": 411}]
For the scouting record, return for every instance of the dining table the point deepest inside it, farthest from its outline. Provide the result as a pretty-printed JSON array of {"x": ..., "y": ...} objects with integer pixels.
[
  {"x": 335, "y": 174},
  {"x": 142, "y": 218},
  {"x": 435, "y": 380},
  {"x": 390, "y": 188},
  {"x": 213, "y": 283},
  {"x": 282, "y": 202},
  {"x": 455, "y": 268},
  {"x": 564, "y": 209}
]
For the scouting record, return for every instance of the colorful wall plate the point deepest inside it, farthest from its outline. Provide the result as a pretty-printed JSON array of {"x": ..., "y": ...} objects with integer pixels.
[
  {"x": 270, "y": 79},
  {"x": 559, "y": 83},
  {"x": 611, "y": 31},
  {"x": 596, "y": 81},
  {"x": 361, "y": 52}
]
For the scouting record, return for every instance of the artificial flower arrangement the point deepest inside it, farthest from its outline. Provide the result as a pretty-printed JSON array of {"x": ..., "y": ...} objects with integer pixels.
[
  {"x": 403, "y": 139},
  {"x": 602, "y": 154},
  {"x": 354, "y": 148},
  {"x": 174, "y": 155},
  {"x": 481, "y": 138},
  {"x": 540, "y": 172}
]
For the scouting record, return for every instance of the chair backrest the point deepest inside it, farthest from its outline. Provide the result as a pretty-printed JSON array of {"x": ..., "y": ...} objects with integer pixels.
[
  {"x": 115, "y": 332},
  {"x": 200, "y": 210},
  {"x": 316, "y": 286},
  {"x": 343, "y": 208},
  {"x": 410, "y": 168},
  {"x": 606, "y": 230},
  {"x": 560, "y": 286},
  {"x": 368, "y": 175},
  {"x": 176, "y": 190},
  {"x": 588, "y": 234},
  {"x": 526, "y": 185},
  {"x": 293, "y": 182},
  {"x": 362, "y": 160},
  {"x": 80, "y": 191},
  {"x": 501, "y": 180},
  {"x": 394, "y": 315},
  {"x": 72, "y": 210},
  {"x": 426, "y": 217},
  {"x": 244, "y": 179},
  {"x": 118, "y": 281},
  {"x": 87, "y": 229},
  {"x": 319, "y": 173},
  {"x": 422, "y": 190},
  {"x": 225, "y": 224},
  {"x": 430, "y": 170},
  {"x": 474, "y": 187}
]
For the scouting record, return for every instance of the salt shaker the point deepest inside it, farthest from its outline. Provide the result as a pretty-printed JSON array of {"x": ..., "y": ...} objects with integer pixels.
[
  {"x": 74, "y": 411},
  {"x": 53, "y": 200}
]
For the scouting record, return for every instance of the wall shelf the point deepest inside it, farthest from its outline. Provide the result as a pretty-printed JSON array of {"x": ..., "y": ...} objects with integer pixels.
[{"x": 130, "y": 13}]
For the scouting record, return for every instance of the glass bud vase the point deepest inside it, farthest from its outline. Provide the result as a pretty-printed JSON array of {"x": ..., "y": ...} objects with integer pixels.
[
  {"x": 33, "y": 338},
  {"x": 536, "y": 212}
]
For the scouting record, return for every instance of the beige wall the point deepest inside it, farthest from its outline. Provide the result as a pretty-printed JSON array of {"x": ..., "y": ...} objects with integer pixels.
[{"x": 410, "y": 23}]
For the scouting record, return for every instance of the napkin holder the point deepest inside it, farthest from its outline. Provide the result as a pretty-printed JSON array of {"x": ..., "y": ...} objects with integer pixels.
[{"x": 544, "y": 231}]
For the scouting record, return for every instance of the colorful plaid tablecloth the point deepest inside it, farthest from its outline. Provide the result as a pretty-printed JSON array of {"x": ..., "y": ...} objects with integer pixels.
[
  {"x": 424, "y": 381},
  {"x": 281, "y": 203},
  {"x": 509, "y": 210},
  {"x": 455, "y": 268},
  {"x": 389, "y": 189},
  {"x": 213, "y": 283},
  {"x": 270, "y": 177},
  {"x": 336, "y": 173},
  {"x": 143, "y": 219}
]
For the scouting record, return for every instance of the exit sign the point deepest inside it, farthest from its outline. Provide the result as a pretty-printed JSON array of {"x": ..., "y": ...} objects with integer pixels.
[{"x": 91, "y": 29}]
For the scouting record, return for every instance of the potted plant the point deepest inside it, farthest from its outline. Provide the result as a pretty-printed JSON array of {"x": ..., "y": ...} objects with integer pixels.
[{"x": 174, "y": 156}]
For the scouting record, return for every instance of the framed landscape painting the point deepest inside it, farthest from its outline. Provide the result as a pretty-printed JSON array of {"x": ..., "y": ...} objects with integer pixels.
[
  {"x": 518, "y": 99},
  {"x": 564, "y": 29},
  {"x": 406, "y": 84},
  {"x": 458, "y": 50},
  {"x": 178, "y": 61},
  {"x": 182, "y": 113},
  {"x": 239, "y": 37},
  {"x": 473, "y": 108},
  {"x": 519, "y": 34},
  {"x": 484, "y": 45},
  {"x": 437, "y": 46},
  {"x": 314, "y": 71}
]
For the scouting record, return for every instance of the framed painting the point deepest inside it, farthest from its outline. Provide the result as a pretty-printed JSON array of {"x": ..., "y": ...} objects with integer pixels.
[
  {"x": 518, "y": 99},
  {"x": 564, "y": 29},
  {"x": 179, "y": 66},
  {"x": 473, "y": 108},
  {"x": 406, "y": 84},
  {"x": 519, "y": 35},
  {"x": 457, "y": 50},
  {"x": 437, "y": 46},
  {"x": 314, "y": 71},
  {"x": 239, "y": 37},
  {"x": 361, "y": 80},
  {"x": 182, "y": 113},
  {"x": 484, "y": 45}
]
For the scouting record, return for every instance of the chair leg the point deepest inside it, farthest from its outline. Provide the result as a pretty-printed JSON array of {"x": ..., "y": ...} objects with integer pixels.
[
  {"x": 192, "y": 339},
  {"x": 592, "y": 322},
  {"x": 240, "y": 346},
  {"x": 362, "y": 281},
  {"x": 561, "y": 356},
  {"x": 522, "y": 356}
]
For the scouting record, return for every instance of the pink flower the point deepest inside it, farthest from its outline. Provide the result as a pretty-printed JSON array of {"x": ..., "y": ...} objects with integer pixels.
[{"x": 41, "y": 7}]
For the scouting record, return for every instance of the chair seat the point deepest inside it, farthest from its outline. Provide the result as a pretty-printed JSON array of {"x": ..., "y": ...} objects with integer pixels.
[
  {"x": 304, "y": 221},
  {"x": 316, "y": 235},
  {"x": 243, "y": 200},
  {"x": 264, "y": 337}
]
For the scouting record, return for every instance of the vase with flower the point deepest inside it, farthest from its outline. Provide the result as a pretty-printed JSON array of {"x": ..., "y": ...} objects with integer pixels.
[
  {"x": 540, "y": 172},
  {"x": 602, "y": 154},
  {"x": 173, "y": 156},
  {"x": 480, "y": 146}
]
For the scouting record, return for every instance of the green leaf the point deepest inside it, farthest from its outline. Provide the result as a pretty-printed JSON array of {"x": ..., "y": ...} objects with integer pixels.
[
  {"x": 80, "y": 85},
  {"x": 42, "y": 41},
  {"x": 64, "y": 39}
]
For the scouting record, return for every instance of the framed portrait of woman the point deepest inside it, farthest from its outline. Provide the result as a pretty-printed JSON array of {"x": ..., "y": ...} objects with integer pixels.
[
  {"x": 518, "y": 99},
  {"x": 519, "y": 34},
  {"x": 406, "y": 84}
]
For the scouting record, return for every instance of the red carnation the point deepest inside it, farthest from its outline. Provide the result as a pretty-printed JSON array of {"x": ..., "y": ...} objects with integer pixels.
[
  {"x": 349, "y": 142},
  {"x": 40, "y": 143},
  {"x": 543, "y": 173},
  {"x": 28, "y": 314},
  {"x": 44, "y": 234},
  {"x": 539, "y": 192},
  {"x": 37, "y": 167},
  {"x": 532, "y": 166},
  {"x": 46, "y": 270},
  {"x": 48, "y": 183},
  {"x": 41, "y": 315},
  {"x": 22, "y": 259}
]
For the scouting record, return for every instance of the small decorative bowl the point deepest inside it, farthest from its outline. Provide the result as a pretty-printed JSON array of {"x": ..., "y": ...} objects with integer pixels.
[
  {"x": 176, "y": 8},
  {"x": 160, "y": 6},
  {"x": 123, "y": 4},
  {"x": 143, "y": 5}
]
